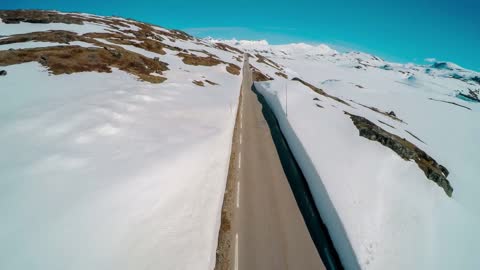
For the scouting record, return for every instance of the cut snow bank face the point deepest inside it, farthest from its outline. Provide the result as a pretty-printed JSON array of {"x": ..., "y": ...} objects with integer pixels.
[
  {"x": 382, "y": 210},
  {"x": 102, "y": 167}
]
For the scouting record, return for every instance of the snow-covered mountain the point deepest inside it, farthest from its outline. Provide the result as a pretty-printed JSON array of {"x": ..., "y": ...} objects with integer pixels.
[
  {"x": 116, "y": 139},
  {"x": 391, "y": 152}
]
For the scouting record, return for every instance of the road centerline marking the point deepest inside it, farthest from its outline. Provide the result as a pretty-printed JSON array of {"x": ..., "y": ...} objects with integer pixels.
[
  {"x": 238, "y": 194},
  {"x": 236, "y": 251},
  {"x": 240, "y": 160}
]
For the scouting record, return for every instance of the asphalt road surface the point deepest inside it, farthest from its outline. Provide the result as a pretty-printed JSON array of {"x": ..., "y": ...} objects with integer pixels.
[{"x": 267, "y": 230}]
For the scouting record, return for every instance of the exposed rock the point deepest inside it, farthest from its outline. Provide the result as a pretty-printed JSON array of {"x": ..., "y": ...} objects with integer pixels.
[
  {"x": 386, "y": 124},
  {"x": 281, "y": 74},
  {"x": 199, "y": 83},
  {"x": 476, "y": 79},
  {"x": 320, "y": 91},
  {"x": 238, "y": 58},
  {"x": 266, "y": 61},
  {"x": 406, "y": 150},
  {"x": 211, "y": 83},
  {"x": 43, "y": 60},
  {"x": 3, "y": 73},
  {"x": 258, "y": 76},
  {"x": 233, "y": 69},
  {"x": 471, "y": 96},
  {"x": 387, "y": 67},
  {"x": 413, "y": 135},
  {"x": 228, "y": 48},
  {"x": 450, "y": 102},
  {"x": 390, "y": 114}
]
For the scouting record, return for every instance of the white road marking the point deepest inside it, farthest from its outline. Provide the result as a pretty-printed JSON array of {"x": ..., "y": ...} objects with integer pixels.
[
  {"x": 238, "y": 194},
  {"x": 240, "y": 138},
  {"x": 240, "y": 160},
  {"x": 236, "y": 251},
  {"x": 241, "y": 124}
]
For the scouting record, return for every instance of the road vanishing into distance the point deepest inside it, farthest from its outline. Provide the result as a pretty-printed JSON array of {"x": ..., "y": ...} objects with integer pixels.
[{"x": 265, "y": 228}]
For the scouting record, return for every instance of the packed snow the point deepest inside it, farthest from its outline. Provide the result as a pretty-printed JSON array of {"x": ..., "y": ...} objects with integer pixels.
[
  {"x": 103, "y": 171},
  {"x": 381, "y": 211}
]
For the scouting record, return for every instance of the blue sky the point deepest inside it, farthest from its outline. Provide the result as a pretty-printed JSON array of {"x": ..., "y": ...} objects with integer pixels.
[{"x": 405, "y": 31}]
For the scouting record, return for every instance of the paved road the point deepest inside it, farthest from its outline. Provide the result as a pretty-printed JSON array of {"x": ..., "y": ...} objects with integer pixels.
[{"x": 267, "y": 228}]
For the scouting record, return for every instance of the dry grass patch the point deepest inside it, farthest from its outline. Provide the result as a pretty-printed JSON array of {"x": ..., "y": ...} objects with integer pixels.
[
  {"x": 195, "y": 60},
  {"x": 57, "y": 36},
  {"x": 72, "y": 59},
  {"x": 37, "y": 16}
]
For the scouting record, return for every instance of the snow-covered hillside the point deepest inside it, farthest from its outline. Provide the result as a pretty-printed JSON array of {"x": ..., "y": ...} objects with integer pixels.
[
  {"x": 115, "y": 139},
  {"x": 391, "y": 152}
]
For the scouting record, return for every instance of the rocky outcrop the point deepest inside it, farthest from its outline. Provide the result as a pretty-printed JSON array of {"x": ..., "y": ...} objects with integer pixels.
[
  {"x": 3, "y": 73},
  {"x": 264, "y": 60},
  {"x": 320, "y": 91},
  {"x": 476, "y": 79},
  {"x": 390, "y": 114},
  {"x": 233, "y": 69},
  {"x": 281, "y": 74},
  {"x": 471, "y": 96},
  {"x": 199, "y": 83},
  {"x": 258, "y": 76},
  {"x": 406, "y": 150},
  {"x": 450, "y": 102}
]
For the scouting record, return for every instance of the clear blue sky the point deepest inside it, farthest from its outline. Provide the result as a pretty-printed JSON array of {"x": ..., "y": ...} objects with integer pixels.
[{"x": 407, "y": 30}]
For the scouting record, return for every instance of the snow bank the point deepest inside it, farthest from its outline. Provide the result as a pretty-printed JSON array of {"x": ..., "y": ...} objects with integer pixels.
[
  {"x": 392, "y": 215},
  {"x": 321, "y": 196},
  {"x": 380, "y": 210},
  {"x": 110, "y": 172},
  {"x": 103, "y": 171}
]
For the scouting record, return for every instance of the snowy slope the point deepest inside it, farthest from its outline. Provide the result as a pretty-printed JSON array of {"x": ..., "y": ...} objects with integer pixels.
[
  {"x": 382, "y": 210},
  {"x": 103, "y": 169}
]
